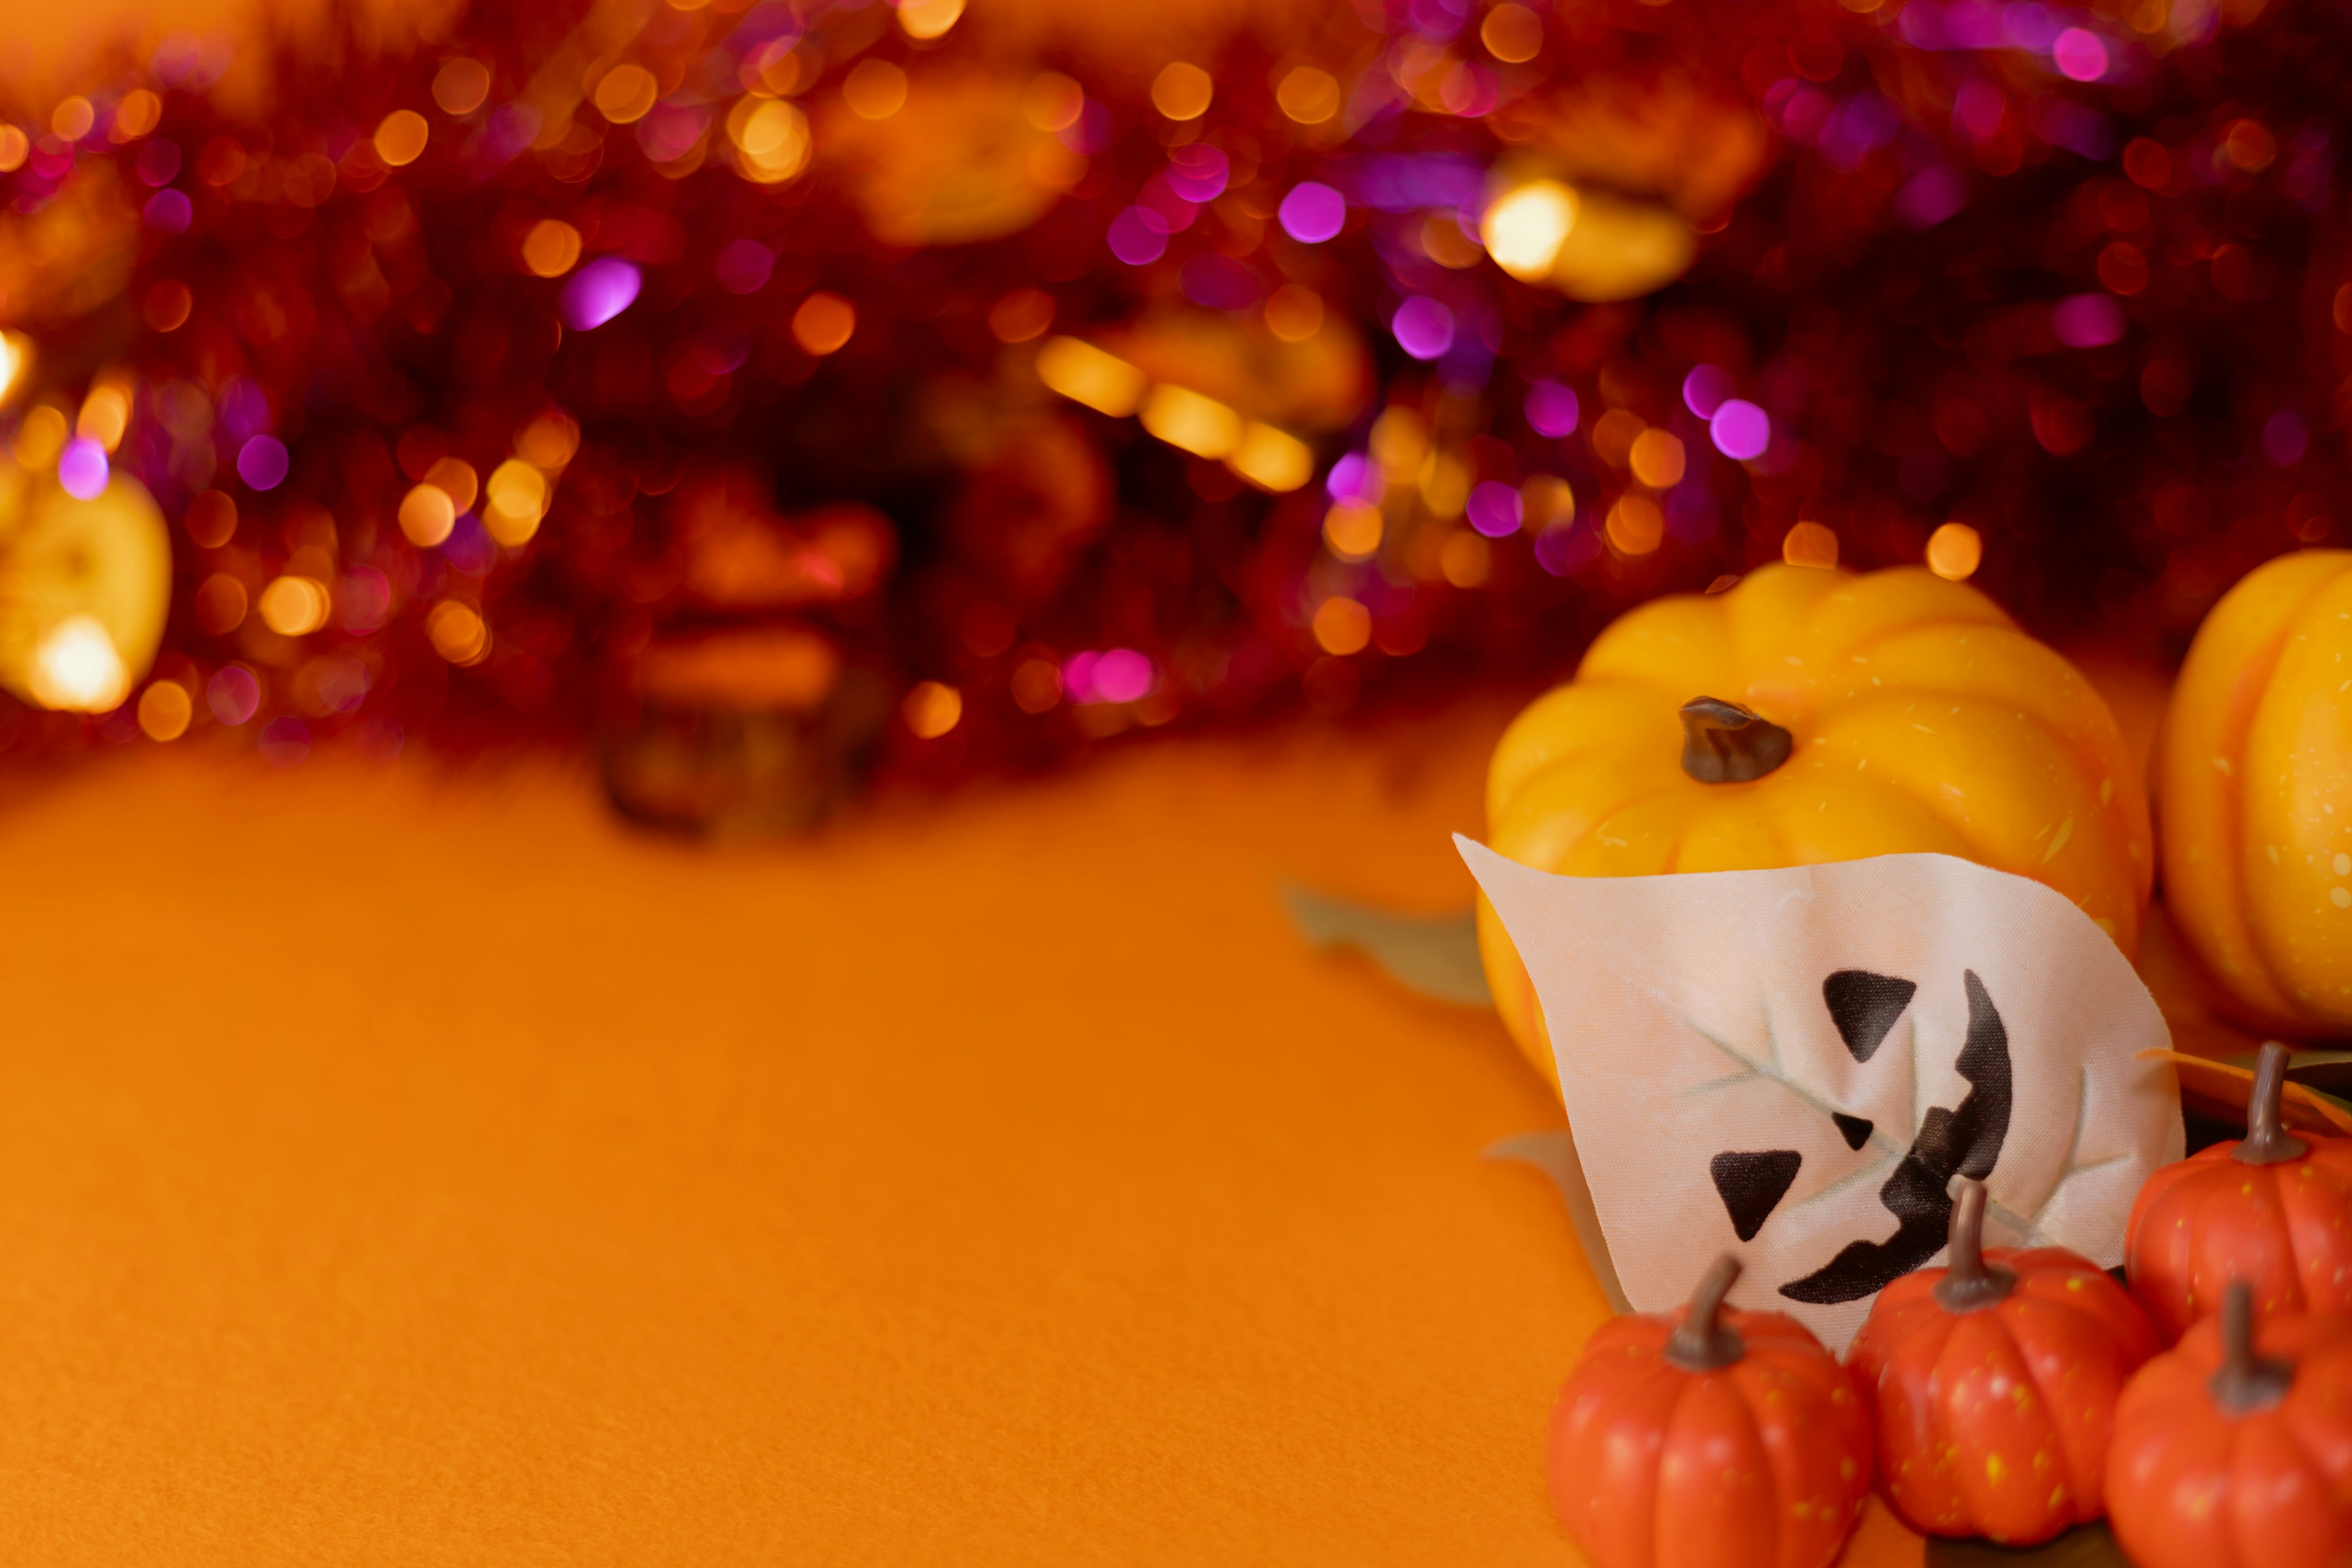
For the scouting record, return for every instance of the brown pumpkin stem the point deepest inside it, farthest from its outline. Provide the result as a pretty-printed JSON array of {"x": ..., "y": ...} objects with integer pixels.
[
  {"x": 1703, "y": 1342},
  {"x": 1970, "y": 1284},
  {"x": 1726, "y": 743},
  {"x": 2246, "y": 1384},
  {"x": 2267, "y": 1142}
]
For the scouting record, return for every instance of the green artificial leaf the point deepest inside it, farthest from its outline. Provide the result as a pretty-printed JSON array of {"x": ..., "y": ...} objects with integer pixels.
[
  {"x": 1436, "y": 956},
  {"x": 2086, "y": 1546}
]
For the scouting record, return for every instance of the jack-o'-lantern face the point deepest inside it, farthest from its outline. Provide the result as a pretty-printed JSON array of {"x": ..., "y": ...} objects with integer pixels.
[{"x": 1794, "y": 1065}]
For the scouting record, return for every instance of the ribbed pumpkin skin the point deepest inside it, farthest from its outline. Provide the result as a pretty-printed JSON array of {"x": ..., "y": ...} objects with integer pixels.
[
  {"x": 1923, "y": 720},
  {"x": 2190, "y": 1487},
  {"x": 1764, "y": 1464},
  {"x": 1996, "y": 1422},
  {"x": 2253, "y": 788},
  {"x": 2286, "y": 1229}
]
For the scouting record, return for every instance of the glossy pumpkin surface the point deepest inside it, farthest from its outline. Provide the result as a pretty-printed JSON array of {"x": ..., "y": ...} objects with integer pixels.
[
  {"x": 1919, "y": 718},
  {"x": 1762, "y": 1464},
  {"x": 2192, "y": 1485},
  {"x": 1996, "y": 1422},
  {"x": 2285, "y": 1228},
  {"x": 2254, "y": 785}
]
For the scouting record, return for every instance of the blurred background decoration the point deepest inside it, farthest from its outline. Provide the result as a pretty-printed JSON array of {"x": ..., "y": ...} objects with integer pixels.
[{"x": 785, "y": 399}]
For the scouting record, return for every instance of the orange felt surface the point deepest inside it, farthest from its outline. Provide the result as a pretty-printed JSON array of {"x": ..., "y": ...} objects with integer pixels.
[{"x": 408, "y": 1167}]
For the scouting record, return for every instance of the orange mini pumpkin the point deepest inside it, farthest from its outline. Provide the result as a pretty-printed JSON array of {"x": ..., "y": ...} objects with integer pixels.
[
  {"x": 2235, "y": 1449},
  {"x": 2273, "y": 1209},
  {"x": 2253, "y": 787},
  {"x": 1808, "y": 716},
  {"x": 1995, "y": 1380},
  {"x": 1709, "y": 1439}
]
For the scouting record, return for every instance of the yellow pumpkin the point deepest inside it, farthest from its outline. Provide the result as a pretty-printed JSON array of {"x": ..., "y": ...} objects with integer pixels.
[
  {"x": 1807, "y": 716},
  {"x": 2253, "y": 789}
]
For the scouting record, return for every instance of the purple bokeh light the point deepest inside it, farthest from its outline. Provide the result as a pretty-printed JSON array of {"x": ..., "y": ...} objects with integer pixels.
[
  {"x": 744, "y": 266},
  {"x": 1740, "y": 429},
  {"x": 1198, "y": 172},
  {"x": 82, "y": 469},
  {"x": 1313, "y": 212},
  {"x": 1109, "y": 675},
  {"x": 600, "y": 291},
  {"x": 2079, "y": 55},
  {"x": 233, "y": 694},
  {"x": 1706, "y": 388},
  {"x": 168, "y": 212},
  {"x": 1356, "y": 478},
  {"x": 284, "y": 741},
  {"x": 262, "y": 462},
  {"x": 1560, "y": 551},
  {"x": 1423, "y": 328},
  {"x": 1138, "y": 237},
  {"x": 1551, "y": 409},
  {"x": 2286, "y": 439},
  {"x": 2087, "y": 321},
  {"x": 1494, "y": 510}
]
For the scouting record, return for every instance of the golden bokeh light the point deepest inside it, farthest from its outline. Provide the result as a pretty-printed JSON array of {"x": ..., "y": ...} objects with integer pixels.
[
  {"x": 1182, "y": 91},
  {"x": 456, "y": 479},
  {"x": 460, "y": 86},
  {"x": 1442, "y": 241},
  {"x": 1021, "y": 315},
  {"x": 211, "y": 520},
  {"x": 105, "y": 413},
  {"x": 1052, "y": 101},
  {"x": 549, "y": 441},
  {"x": 1445, "y": 485},
  {"x": 40, "y": 437},
  {"x": 1398, "y": 442},
  {"x": 1192, "y": 423},
  {"x": 1635, "y": 526},
  {"x": 925, "y": 19},
  {"x": 626, "y": 94},
  {"x": 1657, "y": 459},
  {"x": 166, "y": 308},
  {"x": 1614, "y": 435},
  {"x": 771, "y": 139},
  {"x": 139, "y": 112},
  {"x": 1342, "y": 626},
  {"x": 1351, "y": 531},
  {"x": 778, "y": 68},
  {"x": 1466, "y": 558},
  {"x": 1524, "y": 230},
  {"x": 823, "y": 323},
  {"x": 76, "y": 669},
  {"x": 1810, "y": 544},
  {"x": 165, "y": 710},
  {"x": 518, "y": 495},
  {"x": 72, "y": 119},
  {"x": 426, "y": 515},
  {"x": 1309, "y": 95},
  {"x": 1085, "y": 373},
  {"x": 1272, "y": 459},
  {"x": 1037, "y": 686},
  {"x": 458, "y": 632},
  {"x": 931, "y": 708},
  {"x": 1294, "y": 312},
  {"x": 1955, "y": 551},
  {"x": 1547, "y": 501},
  {"x": 1512, "y": 33},
  {"x": 14, "y": 148},
  {"x": 400, "y": 137},
  {"x": 220, "y": 604},
  {"x": 875, "y": 90},
  {"x": 15, "y": 365},
  {"x": 552, "y": 248},
  {"x": 294, "y": 606}
]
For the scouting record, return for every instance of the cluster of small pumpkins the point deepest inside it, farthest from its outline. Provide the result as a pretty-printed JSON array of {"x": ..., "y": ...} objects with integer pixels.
[{"x": 2011, "y": 1394}]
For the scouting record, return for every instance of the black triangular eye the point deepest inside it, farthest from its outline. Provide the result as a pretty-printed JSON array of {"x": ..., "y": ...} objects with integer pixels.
[
  {"x": 1854, "y": 1129},
  {"x": 1752, "y": 1186},
  {"x": 1864, "y": 1006}
]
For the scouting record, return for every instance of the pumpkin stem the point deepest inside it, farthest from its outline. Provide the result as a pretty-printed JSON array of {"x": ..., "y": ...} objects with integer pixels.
[
  {"x": 2267, "y": 1142},
  {"x": 1970, "y": 1284},
  {"x": 1702, "y": 1342},
  {"x": 2246, "y": 1384},
  {"x": 1726, "y": 743}
]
